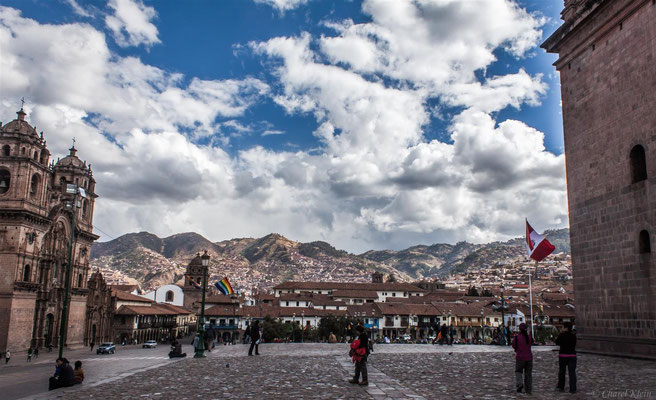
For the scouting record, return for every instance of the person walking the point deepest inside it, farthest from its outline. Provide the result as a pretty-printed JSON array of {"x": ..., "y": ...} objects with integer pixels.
[
  {"x": 359, "y": 353},
  {"x": 452, "y": 332},
  {"x": 7, "y": 357},
  {"x": 523, "y": 360},
  {"x": 255, "y": 338},
  {"x": 443, "y": 334},
  {"x": 29, "y": 354},
  {"x": 567, "y": 358},
  {"x": 36, "y": 352},
  {"x": 91, "y": 345}
]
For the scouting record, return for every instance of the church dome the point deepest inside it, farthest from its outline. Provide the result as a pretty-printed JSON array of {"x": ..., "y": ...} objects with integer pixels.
[
  {"x": 71, "y": 160},
  {"x": 20, "y": 125}
]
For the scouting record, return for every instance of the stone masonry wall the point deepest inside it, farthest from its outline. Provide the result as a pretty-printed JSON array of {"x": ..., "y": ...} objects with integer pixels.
[{"x": 608, "y": 77}]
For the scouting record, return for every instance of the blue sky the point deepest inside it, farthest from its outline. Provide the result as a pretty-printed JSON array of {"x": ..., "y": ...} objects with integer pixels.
[{"x": 320, "y": 120}]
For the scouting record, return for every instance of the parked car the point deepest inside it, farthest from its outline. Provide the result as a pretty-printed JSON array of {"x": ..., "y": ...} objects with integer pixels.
[
  {"x": 150, "y": 344},
  {"x": 106, "y": 348}
]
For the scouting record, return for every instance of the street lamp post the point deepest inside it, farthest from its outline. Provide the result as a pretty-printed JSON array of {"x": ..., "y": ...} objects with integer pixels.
[
  {"x": 234, "y": 318},
  {"x": 302, "y": 327},
  {"x": 448, "y": 340},
  {"x": 482, "y": 327},
  {"x": 200, "y": 350},
  {"x": 73, "y": 189},
  {"x": 503, "y": 320}
]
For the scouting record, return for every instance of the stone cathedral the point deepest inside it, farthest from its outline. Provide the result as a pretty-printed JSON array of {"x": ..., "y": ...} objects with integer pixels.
[
  {"x": 35, "y": 232},
  {"x": 607, "y": 63}
]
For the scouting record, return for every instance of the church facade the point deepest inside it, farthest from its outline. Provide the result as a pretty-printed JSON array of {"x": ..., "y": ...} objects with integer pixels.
[
  {"x": 608, "y": 82},
  {"x": 36, "y": 215}
]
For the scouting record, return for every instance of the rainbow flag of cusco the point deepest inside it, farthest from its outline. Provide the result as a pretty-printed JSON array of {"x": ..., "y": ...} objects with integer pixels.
[
  {"x": 224, "y": 286},
  {"x": 194, "y": 284}
]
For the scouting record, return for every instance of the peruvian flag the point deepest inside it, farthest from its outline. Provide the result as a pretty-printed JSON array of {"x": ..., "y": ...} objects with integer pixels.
[{"x": 536, "y": 245}]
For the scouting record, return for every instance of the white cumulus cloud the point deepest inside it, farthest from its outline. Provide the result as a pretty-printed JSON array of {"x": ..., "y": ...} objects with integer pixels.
[{"x": 131, "y": 23}]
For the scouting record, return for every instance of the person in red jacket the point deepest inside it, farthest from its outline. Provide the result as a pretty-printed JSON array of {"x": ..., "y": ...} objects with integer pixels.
[
  {"x": 523, "y": 360},
  {"x": 359, "y": 352}
]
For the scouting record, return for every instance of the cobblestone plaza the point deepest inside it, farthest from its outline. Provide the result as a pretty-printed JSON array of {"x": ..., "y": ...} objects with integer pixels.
[{"x": 321, "y": 371}]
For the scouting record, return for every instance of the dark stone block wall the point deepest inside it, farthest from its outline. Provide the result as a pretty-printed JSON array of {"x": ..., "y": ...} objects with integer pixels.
[{"x": 607, "y": 65}]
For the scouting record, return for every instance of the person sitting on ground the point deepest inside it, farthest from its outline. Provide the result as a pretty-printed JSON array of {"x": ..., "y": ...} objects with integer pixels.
[
  {"x": 176, "y": 350},
  {"x": 79, "y": 372},
  {"x": 64, "y": 375},
  {"x": 332, "y": 338}
]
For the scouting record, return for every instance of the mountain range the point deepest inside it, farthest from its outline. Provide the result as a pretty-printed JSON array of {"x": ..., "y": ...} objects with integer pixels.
[{"x": 261, "y": 263}]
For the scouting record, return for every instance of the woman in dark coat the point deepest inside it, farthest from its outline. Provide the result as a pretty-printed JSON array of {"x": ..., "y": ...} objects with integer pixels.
[{"x": 255, "y": 338}]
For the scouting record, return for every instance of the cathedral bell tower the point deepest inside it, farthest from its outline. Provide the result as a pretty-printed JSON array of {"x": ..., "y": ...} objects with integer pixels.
[{"x": 35, "y": 232}]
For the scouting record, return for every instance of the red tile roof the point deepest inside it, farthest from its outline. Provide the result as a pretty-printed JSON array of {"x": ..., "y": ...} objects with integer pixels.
[
  {"x": 145, "y": 310},
  {"x": 124, "y": 296},
  {"x": 355, "y": 294}
]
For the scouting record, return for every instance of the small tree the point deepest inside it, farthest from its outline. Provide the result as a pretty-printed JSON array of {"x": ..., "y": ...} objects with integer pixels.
[
  {"x": 487, "y": 293},
  {"x": 391, "y": 278},
  {"x": 472, "y": 292}
]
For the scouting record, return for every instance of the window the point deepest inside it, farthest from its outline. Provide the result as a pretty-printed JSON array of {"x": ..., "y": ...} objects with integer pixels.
[
  {"x": 85, "y": 207},
  {"x": 5, "y": 180},
  {"x": 644, "y": 244},
  {"x": 169, "y": 295},
  {"x": 286, "y": 304},
  {"x": 6, "y": 150},
  {"x": 26, "y": 273},
  {"x": 638, "y": 164},
  {"x": 34, "y": 186},
  {"x": 79, "y": 280}
]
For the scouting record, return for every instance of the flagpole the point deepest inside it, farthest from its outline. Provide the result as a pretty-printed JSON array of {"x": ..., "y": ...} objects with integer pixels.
[{"x": 530, "y": 296}]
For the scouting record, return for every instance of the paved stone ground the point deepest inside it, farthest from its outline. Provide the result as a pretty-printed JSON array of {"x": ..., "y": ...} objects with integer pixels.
[{"x": 321, "y": 371}]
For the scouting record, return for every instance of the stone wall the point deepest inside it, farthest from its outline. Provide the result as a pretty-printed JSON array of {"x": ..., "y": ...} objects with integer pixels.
[{"x": 608, "y": 76}]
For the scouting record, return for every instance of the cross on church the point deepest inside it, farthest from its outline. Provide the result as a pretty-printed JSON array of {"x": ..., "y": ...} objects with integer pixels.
[
  {"x": 22, "y": 102},
  {"x": 73, "y": 141}
]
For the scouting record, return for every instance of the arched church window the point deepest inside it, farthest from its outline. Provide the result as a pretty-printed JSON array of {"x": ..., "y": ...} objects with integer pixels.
[
  {"x": 169, "y": 295},
  {"x": 85, "y": 208},
  {"x": 5, "y": 180},
  {"x": 644, "y": 244},
  {"x": 36, "y": 155},
  {"x": 34, "y": 185},
  {"x": 79, "y": 280},
  {"x": 6, "y": 150},
  {"x": 26, "y": 273},
  {"x": 23, "y": 151},
  {"x": 638, "y": 164}
]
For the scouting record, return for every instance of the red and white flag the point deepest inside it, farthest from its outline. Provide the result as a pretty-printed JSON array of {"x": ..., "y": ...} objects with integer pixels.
[{"x": 536, "y": 245}]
